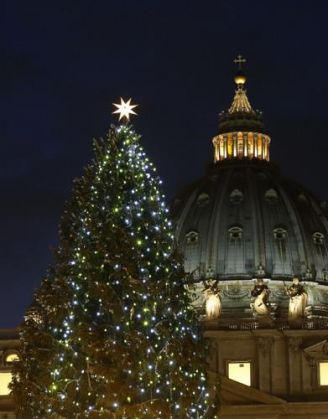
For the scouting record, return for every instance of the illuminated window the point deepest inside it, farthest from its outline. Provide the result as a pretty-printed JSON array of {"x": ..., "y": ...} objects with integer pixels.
[
  {"x": 323, "y": 373},
  {"x": 5, "y": 379},
  {"x": 240, "y": 371},
  {"x": 12, "y": 357}
]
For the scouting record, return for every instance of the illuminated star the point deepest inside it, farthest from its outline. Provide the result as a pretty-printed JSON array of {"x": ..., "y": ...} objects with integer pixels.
[{"x": 125, "y": 109}]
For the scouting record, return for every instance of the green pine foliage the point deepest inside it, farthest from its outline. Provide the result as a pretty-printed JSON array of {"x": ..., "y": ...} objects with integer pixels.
[{"x": 111, "y": 333}]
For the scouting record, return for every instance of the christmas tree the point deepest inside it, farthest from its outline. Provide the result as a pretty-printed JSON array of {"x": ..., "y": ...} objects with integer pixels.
[{"x": 111, "y": 333}]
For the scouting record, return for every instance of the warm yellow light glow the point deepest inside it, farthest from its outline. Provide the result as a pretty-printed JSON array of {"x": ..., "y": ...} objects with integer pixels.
[
  {"x": 240, "y": 78},
  {"x": 241, "y": 144},
  {"x": 12, "y": 357},
  {"x": 259, "y": 146},
  {"x": 222, "y": 153},
  {"x": 125, "y": 109},
  {"x": 250, "y": 145},
  {"x": 5, "y": 379},
  {"x": 240, "y": 372},
  {"x": 213, "y": 306},
  {"x": 323, "y": 373},
  {"x": 230, "y": 146}
]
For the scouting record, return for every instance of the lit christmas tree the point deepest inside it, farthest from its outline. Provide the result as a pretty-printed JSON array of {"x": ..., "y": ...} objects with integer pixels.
[{"x": 111, "y": 333}]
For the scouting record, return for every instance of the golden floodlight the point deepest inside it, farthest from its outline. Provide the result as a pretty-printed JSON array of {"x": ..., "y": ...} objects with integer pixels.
[{"x": 124, "y": 109}]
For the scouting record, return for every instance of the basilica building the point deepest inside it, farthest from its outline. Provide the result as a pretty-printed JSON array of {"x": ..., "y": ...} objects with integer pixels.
[{"x": 255, "y": 248}]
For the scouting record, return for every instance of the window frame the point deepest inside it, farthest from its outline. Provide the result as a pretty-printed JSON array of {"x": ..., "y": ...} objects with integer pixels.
[
  {"x": 241, "y": 361},
  {"x": 321, "y": 386}
]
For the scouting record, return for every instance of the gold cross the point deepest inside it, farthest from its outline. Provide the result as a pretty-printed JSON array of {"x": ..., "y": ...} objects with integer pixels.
[{"x": 240, "y": 60}]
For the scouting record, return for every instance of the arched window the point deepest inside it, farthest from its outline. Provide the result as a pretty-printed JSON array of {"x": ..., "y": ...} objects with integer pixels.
[
  {"x": 192, "y": 251},
  {"x": 280, "y": 234},
  {"x": 318, "y": 238},
  {"x": 271, "y": 196},
  {"x": 280, "y": 237},
  {"x": 236, "y": 196},
  {"x": 192, "y": 238},
  {"x": 235, "y": 257},
  {"x": 320, "y": 252},
  {"x": 203, "y": 199},
  {"x": 235, "y": 233}
]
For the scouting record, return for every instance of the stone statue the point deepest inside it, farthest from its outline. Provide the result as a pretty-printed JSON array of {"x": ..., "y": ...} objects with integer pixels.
[
  {"x": 260, "y": 293},
  {"x": 213, "y": 304},
  {"x": 260, "y": 272},
  {"x": 297, "y": 299}
]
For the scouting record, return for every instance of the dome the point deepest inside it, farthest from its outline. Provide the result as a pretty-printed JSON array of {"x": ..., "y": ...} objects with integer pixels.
[
  {"x": 244, "y": 221},
  {"x": 244, "y": 215}
]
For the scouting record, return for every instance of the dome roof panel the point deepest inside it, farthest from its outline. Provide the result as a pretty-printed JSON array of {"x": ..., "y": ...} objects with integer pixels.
[{"x": 276, "y": 228}]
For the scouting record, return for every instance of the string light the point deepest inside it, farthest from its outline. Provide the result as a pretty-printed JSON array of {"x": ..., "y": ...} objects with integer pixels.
[{"x": 122, "y": 318}]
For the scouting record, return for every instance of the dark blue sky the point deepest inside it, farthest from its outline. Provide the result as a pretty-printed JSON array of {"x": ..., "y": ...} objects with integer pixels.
[{"x": 63, "y": 63}]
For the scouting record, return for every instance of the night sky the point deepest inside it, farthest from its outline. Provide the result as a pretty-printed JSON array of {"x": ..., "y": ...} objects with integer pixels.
[{"x": 64, "y": 62}]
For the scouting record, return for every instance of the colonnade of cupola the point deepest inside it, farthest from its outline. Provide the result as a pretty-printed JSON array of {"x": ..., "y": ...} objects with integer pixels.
[{"x": 241, "y": 145}]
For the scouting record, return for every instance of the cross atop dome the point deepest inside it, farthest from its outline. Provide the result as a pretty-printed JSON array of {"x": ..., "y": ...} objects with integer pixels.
[
  {"x": 240, "y": 78},
  {"x": 240, "y": 102},
  {"x": 240, "y": 60}
]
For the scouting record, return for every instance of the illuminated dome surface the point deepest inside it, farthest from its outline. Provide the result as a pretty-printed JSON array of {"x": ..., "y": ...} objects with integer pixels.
[
  {"x": 244, "y": 217},
  {"x": 245, "y": 220}
]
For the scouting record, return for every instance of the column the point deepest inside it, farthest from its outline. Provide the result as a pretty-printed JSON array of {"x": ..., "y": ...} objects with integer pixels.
[
  {"x": 245, "y": 138},
  {"x": 255, "y": 145},
  {"x": 235, "y": 145}
]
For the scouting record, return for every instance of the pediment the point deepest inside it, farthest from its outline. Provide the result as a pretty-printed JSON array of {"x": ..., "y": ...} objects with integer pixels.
[
  {"x": 318, "y": 349},
  {"x": 235, "y": 393}
]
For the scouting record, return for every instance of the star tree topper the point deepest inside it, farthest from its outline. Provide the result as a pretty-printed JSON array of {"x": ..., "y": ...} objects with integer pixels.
[{"x": 125, "y": 109}]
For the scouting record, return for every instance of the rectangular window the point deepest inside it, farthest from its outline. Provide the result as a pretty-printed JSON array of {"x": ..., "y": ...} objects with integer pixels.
[
  {"x": 5, "y": 379},
  {"x": 240, "y": 371},
  {"x": 323, "y": 373}
]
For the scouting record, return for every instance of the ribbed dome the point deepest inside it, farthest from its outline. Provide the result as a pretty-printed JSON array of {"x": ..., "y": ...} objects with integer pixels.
[
  {"x": 244, "y": 217},
  {"x": 244, "y": 220}
]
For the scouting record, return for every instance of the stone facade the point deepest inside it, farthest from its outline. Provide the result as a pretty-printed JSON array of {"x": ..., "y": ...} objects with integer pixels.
[
  {"x": 9, "y": 347},
  {"x": 256, "y": 249},
  {"x": 284, "y": 373}
]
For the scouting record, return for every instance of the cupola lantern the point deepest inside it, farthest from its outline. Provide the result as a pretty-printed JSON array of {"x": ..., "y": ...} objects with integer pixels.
[{"x": 242, "y": 133}]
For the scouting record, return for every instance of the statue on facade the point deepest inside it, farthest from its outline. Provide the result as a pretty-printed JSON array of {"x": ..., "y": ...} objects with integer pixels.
[
  {"x": 260, "y": 294},
  {"x": 260, "y": 272},
  {"x": 213, "y": 304},
  {"x": 297, "y": 299}
]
